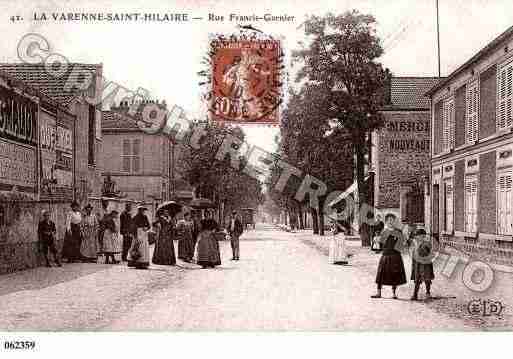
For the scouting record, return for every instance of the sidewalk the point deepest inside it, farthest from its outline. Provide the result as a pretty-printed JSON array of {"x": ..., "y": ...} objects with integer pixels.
[{"x": 451, "y": 296}]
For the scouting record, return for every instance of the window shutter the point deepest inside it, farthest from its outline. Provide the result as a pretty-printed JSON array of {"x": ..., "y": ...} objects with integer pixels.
[
  {"x": 471, "y": 204},
  {"x": 472, "y": 101},
  {"x": 125, "y": 157},
  {"x": 126, "y": 147},
  {"x": 505, "y": 96},
  {"x": 449, "y": 206},
  {"x": 504, "y": 198},
  {"x": 136, "y": 150},
  {"x": 448, "y": 124}
]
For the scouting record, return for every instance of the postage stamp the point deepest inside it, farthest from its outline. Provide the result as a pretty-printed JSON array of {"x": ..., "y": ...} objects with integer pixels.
[{"x": 246, "y": 80}]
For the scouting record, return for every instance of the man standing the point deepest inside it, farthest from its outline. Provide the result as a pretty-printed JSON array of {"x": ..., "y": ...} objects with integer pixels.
[
  {"x": 46, "y": 233},
  {"x": 126, "y": 229},
  {"x": 235, "y": 231}
]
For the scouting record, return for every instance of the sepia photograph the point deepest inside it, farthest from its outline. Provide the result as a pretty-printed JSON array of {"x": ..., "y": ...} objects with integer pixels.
[{"x": 330, "y": 172}]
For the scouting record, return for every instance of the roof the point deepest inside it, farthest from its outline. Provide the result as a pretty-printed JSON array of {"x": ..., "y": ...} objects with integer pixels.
[
  {"x": 36, "y": 76},
  {"x": 408, "y": 93},
  {"x": 117, "y": 120},
  {"x": 479, "y": 55}
]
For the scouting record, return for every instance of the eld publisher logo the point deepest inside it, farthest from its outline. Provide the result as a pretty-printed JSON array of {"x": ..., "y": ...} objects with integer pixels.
[{"x": 484, "y": 308}]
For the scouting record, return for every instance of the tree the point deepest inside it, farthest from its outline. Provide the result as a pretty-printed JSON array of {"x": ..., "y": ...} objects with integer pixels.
[
  {"x": 230, "y": 188},
  {"x": 341, "y": 63}
]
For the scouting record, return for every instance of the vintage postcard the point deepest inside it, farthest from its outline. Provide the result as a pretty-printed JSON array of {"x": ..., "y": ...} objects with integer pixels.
[{"x": 231, "y": 166}]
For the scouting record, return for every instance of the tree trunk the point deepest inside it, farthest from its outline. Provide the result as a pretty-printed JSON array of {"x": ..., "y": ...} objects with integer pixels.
[
  {"x": 315, "y": 223},
  {"x": 361, "y": 192},
  {"x": 321, "y": 215},
  {"x": 301, "y": 221}
]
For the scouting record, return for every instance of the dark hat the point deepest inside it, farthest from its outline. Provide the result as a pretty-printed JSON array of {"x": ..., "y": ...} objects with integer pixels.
[
  {"x": 114, "y": 212},
  {"x": 75, "y": 204},
  {"x": 88, "y": 206},
  {"x": 419, "y": 232}
]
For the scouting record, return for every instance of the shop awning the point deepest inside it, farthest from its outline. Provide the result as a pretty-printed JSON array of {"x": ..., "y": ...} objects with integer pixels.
[{"x": 351, "y": 189}]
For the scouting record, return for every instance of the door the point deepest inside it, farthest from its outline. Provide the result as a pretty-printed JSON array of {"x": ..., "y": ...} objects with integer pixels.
[{"x": 435, "y": 208}]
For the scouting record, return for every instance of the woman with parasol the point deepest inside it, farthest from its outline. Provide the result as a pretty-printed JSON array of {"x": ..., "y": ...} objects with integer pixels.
[{"x": 164, "y": 253}]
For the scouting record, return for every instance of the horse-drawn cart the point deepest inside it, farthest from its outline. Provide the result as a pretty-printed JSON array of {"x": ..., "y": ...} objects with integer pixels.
[{"x": 248, "y": 217}]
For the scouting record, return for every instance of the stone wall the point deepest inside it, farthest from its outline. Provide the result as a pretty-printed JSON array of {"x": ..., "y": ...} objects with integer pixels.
[{"x": 18, "y": 231}]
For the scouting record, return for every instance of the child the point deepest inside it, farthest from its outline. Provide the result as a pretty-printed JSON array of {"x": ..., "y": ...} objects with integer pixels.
[
  {"x": 46, "y": 233},
  {"x": 422, "y": 266}
]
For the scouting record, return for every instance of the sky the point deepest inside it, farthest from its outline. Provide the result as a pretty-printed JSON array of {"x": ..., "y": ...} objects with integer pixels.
[{"x": 165, "y": 57}]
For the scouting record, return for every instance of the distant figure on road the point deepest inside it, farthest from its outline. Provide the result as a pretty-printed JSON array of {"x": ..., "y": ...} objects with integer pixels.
[
  {"x": 127, "y": 230},
  {"x": 377, "y": 228},
  {"x": 235, "y": 230},
  {"x": 391, "y": 267},
  {"x": 164, "y": 253},
  {"x": 185, "y": 229},
  {"x": 207, "y": 246},
  {"x": 422, "y": 265},
  {"x": 139, "y": 253},
  {"x": 46, "y": 232}
]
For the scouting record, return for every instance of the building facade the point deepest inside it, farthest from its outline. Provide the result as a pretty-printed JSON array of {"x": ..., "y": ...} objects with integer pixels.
[
  {"x": 144, "y": 166},
  {"x": 472, "y": 163},
  {"x": 37, "y": 156},
  {"x": 78, "y": 91},
  {"x": 56, "y": 164},
  {"x": 401, "y": 150}
]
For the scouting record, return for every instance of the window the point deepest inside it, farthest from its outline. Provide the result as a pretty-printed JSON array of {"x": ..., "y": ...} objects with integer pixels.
[
  {"x": 504, "y": 96},
  {"x": 131, "y": 157},
  {"x": 91, "y": 135},
  {"x": 448, "y": 125},
  {"x": 472, "y": 118},
  {"x": 504, "y": 214},
  {"x": 471, "y": 204},
  {"x": 449, "y": 208}
]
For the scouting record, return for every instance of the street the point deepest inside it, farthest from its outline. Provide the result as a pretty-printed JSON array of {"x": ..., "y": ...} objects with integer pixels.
[{"x": 280, "y": 283}]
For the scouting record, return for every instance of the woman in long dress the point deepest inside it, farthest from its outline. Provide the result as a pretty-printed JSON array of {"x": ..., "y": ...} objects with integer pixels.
[
  {"x": 185, "y": 229},
  {"x": 164, "y": 253},
  {"x": 73, "y": 237},
  {"x": 111, "y": 238},
  {"x": 139, "y": 253},
  {"x": 208, "y": 247},
  {"x": 338, "y": 252},
  {"x": 90, "y": 225},
  {"x": 391, "y": 267}
]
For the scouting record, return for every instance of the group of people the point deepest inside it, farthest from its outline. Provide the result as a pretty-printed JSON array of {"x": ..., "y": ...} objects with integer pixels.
[
  {"x": 87, "y": 237},
  {"x": 391, "y": 270}
]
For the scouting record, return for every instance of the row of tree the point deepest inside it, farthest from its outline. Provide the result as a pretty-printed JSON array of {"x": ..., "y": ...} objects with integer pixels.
[
  {"x": 328, "y": 119},
  {"x": 229, "y": 188}
]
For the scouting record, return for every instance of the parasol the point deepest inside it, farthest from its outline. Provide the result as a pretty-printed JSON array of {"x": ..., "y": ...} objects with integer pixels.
[
  {"x": 202, "y": 203},
  {"x": 171, "y": 206}
]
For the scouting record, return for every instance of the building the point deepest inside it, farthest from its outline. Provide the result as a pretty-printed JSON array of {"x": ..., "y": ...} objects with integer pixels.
[
  {"x": 84, "y": 102},
  {"x": 400, "y": 150},
  {"x": 144, "y": 166},
  {"x": 470, "y": 197},
  {"x": 399, "y": 158},
  {"x": 37, "y": 156}
]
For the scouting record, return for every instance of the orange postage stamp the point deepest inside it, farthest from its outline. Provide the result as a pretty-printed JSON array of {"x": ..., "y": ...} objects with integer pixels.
[{"x": 246, "y": 83}]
